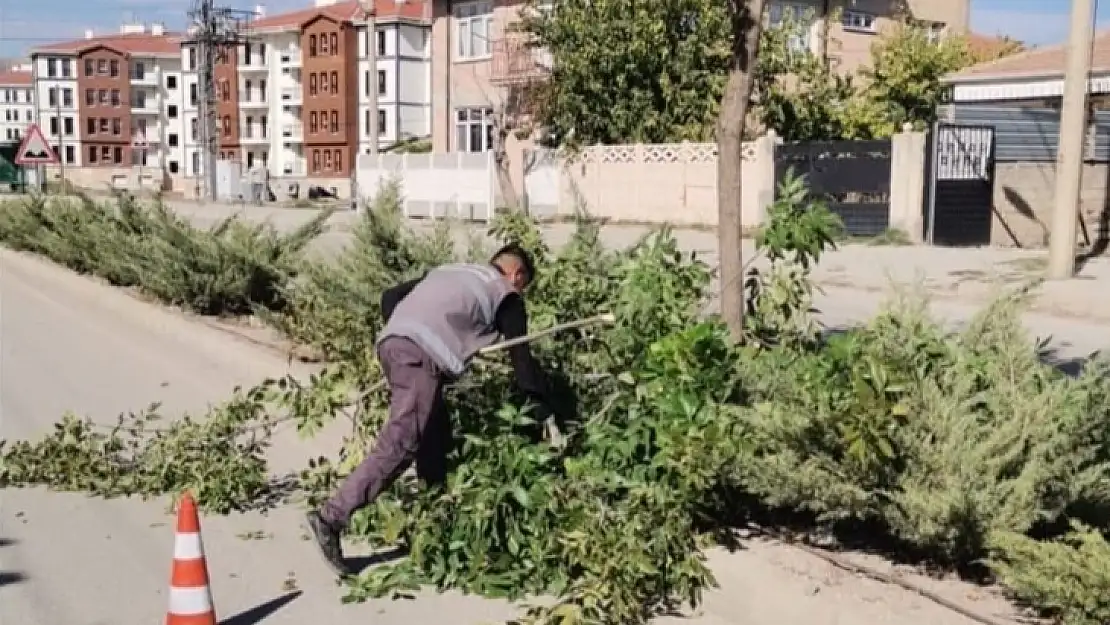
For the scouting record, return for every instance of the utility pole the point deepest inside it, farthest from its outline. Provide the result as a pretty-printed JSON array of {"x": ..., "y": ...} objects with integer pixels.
[
  {"x": 214, "y": 31},
  {"x": 369, "y": 15},
  {"x": 1073, "y": 135}
]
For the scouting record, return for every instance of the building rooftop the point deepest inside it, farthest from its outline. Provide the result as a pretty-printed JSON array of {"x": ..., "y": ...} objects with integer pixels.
[
  {"x": 15, "y": 79},
  {"x": 1044, "y": 62},
  {"x": 343, "y": 11},
  {"x": 135, "y": 44}
]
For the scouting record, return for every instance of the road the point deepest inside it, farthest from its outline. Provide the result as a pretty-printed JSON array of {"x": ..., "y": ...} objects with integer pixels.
[{"x": 70, "y": 343}]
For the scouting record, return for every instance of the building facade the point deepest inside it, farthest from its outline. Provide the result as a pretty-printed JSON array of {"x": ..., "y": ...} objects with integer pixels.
[
  {"x": 108, "y": 105},
  {"x": 297, "y": 98},
  {"x": 17, "y": 103}
]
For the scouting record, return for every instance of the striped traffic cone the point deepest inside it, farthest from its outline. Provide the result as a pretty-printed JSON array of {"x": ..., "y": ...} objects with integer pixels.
[{"x": 190, "y": 596}]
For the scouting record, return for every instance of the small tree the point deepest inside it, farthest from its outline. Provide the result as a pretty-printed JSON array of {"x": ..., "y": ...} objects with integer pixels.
[
  {"x": 906, "y": 70},
  {"x": 745, "y": 20}
]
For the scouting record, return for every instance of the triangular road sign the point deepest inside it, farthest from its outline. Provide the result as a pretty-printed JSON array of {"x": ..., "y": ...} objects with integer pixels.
[{"x": 35, "y": 150}]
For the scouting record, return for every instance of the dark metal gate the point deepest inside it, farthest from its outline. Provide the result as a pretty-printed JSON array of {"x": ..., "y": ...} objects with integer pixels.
[
  {"x": 959, "y": 188},
  {"x": 853, "y": 177}
]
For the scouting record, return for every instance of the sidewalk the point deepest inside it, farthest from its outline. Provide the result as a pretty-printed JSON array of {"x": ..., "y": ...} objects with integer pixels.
[{"x": 968, "y": 275}]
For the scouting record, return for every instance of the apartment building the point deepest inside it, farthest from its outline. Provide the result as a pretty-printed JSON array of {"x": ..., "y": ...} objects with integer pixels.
[
  {"x": 297, "y": 98},
  {"x": 108, "y": 105},
  {"x": 17, "y": 103}
]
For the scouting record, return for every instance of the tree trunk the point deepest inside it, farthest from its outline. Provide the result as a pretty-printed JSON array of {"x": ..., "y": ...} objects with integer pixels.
[{"x": 747, "y": 25}]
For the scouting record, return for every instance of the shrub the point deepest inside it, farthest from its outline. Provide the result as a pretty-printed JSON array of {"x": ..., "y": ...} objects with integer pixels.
[{"x": 230, "y": 268}]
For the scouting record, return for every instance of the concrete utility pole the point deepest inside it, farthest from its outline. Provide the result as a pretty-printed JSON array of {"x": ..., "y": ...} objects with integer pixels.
[
  {"x": 369, "y": 14},
  {"x": 214, "y": 31},
  {"x": 61, "y": 137},
  {"x": 1073, "y": 135}
]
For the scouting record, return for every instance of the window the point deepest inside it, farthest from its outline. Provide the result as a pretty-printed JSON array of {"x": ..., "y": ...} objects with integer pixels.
[
  {"x": 473, "y": 23},
  {"x": 172, "y": 140},
  {"x": 193, "y": 129},
  {"x": 52, "y": 96},
  {"x": 138, "y": 71},
  {"x": 90, "y": 97},
  {"x": 933, "y": 30},
  {"x": 175, "y": 167},
  {"x": 380, "y": 38},
  {"x": 324, "y": 82},
  {"x": 324, "y": 45},
  {"x": 800, "y": 15},
  {"x": 52, "y": 68},
  {"x": 247, "y": 127},
  {"x": 105, "y": 153},
  {"x": 474, "y": 129},
  {"x": 315, "y": 161},
  {"x": 225, "y": 91},
  {"x": 93, "y": 152},
  {"x": 338, "y": 160},
  {"x": 102, "y": 97},
  {"x": 333, "y": 43},
  {"x": 117, "y": 126},
  {"x": 262, "y": 122},
  {"x": 171, "y": 82},
  {"x": 335, "y": 82},
  {"x": 138, "y": 99},
  {"x": 227, "y": 125},
  {"x": 327, "y": 160},
  {"x": 262, "y": 91},
  {"x": 90, "y": 68},
  {"x": 381, "y": 82},
  {"x": 246, "y": 54},
  {"x": 312, "y": 90},
  {"x": 193, "y": 94},
  {"x": 90, "y": 126},
  {"x": 117, "y": 155},
  {"x": 102, "y": 67},
  {"x": 335, "y": 122},
  {"x": 71, "y": 154},
  {"x": 53, "y": 125},
  {"x": 67, "y": 68},
  {"x": 67, "y": 98},
  {"x": 858, "y": 21},
  {"x": 381, "y": 123},
  {"x": 171, "y": 111},
  {"x": 313, "y": 122},
  {"x": 67, "y": 126},
  {"x": 247, "y": 92},
  {"x": 191, "y": 59},
  {"x": 105, "y": 124},
  {"x": 312, "y": 45},
  {"x": 195, "y": 162}
]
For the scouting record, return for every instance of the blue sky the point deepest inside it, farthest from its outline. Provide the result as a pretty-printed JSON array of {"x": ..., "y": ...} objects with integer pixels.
[{"x": 23, "y": 23}]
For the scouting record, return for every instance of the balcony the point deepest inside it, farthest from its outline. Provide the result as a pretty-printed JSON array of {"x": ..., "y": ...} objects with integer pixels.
[
  {"x": 256, "y": 66},
  {"x": 293, "y": 169},
  {"x": 292, "y": 133},
  {"x": 148, "y": 77},
  {"x": 516, "y": 62},
  {"x": 250, "y": 100},
  {"x": 145, "y": 106},
  {"x": 253, "y": 134}
]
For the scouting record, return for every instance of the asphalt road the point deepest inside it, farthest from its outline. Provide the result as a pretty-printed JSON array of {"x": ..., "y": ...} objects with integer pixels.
[{"x": 69, "y": 343}]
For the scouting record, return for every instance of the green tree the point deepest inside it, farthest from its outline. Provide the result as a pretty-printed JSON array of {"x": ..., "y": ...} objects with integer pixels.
[
  {"x": 649, "y": 71},
  {"x": 906, "y": 71}
]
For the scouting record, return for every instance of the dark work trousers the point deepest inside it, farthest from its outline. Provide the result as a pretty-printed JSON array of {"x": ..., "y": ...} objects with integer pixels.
[{"x": 417, "y": 429}]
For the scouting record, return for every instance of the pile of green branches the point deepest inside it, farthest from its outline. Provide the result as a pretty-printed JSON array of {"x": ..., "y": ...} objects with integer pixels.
[
  {"x": 957, "y": 447},
  {"x": 231, "y": 268}
]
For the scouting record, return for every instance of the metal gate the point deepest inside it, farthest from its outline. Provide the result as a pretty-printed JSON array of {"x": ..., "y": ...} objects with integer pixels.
[
  {"x": 853, "y": 177},
  {"x": 959, "y": 194}
]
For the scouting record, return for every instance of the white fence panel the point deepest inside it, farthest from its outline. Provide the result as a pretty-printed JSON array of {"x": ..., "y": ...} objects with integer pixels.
[
  {"x": 458, "y": 184},
  {"x": 543, "y": 183}
]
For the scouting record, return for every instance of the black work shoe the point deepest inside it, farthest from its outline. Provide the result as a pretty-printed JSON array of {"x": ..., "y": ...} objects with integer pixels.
[{"x": 326, "y": 536}]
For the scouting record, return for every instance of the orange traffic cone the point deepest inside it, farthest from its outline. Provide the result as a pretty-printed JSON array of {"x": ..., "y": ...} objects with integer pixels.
[{"x": 190, "y": 596}]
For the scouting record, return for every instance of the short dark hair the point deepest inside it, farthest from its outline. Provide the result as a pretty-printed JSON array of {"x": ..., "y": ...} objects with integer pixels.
[{"x": 514, "y": 249}]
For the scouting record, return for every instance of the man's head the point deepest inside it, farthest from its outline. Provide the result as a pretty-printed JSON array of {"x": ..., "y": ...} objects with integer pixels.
[{"x": 516, "y": 265}]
